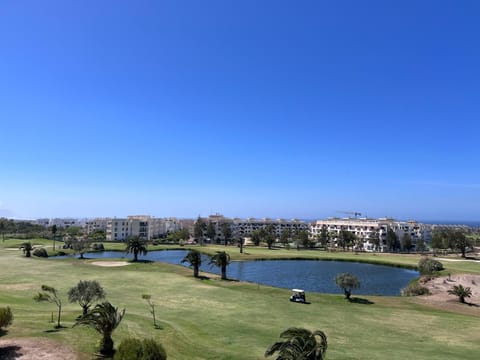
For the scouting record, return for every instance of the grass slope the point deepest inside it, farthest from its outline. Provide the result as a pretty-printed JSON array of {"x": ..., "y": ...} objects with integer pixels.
[{"x": 213, "y": 319}]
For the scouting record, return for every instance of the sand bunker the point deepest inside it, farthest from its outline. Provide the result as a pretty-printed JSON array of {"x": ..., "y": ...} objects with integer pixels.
[
  {"x": 110, "y": 263},
  {"x": 440, "y": 297},
  {"x": 34, "y": 349}
]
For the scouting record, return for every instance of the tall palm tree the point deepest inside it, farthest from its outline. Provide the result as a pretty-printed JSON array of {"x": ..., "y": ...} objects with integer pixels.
[
  {"x": 135, "y": 245},
  {"x": 299, "y": 344},
  {"x": 221, "y": 259},
  {"x": 194, "y": 258},
  {"x": 461, "y": 292},
  {"x": 54, "y": 232},
  {"x": 104, "y": 318}
]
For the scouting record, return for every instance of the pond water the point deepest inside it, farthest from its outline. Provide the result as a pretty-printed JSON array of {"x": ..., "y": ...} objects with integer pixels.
[{"x": 310, "y": 275}]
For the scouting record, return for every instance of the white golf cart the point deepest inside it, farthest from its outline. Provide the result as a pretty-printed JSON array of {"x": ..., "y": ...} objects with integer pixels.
[{"x": 298, "y": 295}]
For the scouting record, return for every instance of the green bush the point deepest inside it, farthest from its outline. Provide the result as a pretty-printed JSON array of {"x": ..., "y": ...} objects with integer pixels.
[
  {"x": 135, "y": 349},
  {"x": 415, "y": 289},
  {"x": 98, "y": 247},
  {"x": 6, "y": 317},
  {"x": 427, "y": 266},
  {"x": 40, "y": 252}
]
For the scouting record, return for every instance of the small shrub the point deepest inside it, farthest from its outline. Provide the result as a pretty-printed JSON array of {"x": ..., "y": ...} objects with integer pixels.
[
  {"x": 135, "y": 349},
  {"x": 428, "y": 266},
  {"x": 415, "y": 289},
  {"x": 98, "y": 247},
  {"x": 6, "y": 317},
  {"x": 40, "y": 252}
]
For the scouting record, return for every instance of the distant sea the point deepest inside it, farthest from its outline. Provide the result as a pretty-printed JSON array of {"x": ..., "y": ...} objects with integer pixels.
[{"x": 473, "y": 224}]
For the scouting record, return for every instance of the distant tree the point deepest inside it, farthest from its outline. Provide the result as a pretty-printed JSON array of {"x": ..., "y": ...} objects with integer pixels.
[
  {"x": 345, "y": 239},
  {"x": 104, "y": 318},
  {"x": 98, "y": 235},
  {"x": 299, "y": 344},
  {"x": 226, "y": 232},
  {"x": 406, "y": 242},
  {"x": 256, "y": 237},
  {"x": 27, "y": 248},
  {"x": 194, "y": 258},
  {"x": 73, "y": 231},
  {"x": 437, "y": 239},
  {"x": 461, "y": 241},
  {"x": 347, "y": 282},
  {"x": 211, "y": 231},
  {"x": 85, "y": 293},
  {"x": 54, "y": 234},
  {"x": 268, "y": 235},
  {"x": 303, "y": 239},
  {"x": 50, "y": 295},
  {"x": 240, "y": 241},
  {"x": 461, "y": 292},
  {"x": 179, "y": 235},
  {"x": 374, "y": 238},
  {"x": 2, "y": 228},
  {"x": 80, "y": 246},
  {"x": 421, "y": 247},
  {"x": 198, "y": 228},
  {"x": 221, "y": 259},
  {"x": 324, "y": 236},
  {"x": 285, "y": 236},
  {"x": 151, "y": 304},
  {"x": 136, "y": 246},
  {"x": 391, "y": 239}
]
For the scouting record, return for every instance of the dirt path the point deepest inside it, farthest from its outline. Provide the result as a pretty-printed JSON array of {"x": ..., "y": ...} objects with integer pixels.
[{"x": 34, "y": 349}]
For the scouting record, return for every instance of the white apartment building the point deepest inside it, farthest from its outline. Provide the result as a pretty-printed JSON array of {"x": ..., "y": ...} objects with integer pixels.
[
  {"x": 96, "y": 224},
  {"x": 144, "y": 226},
  {"x": 242, "y": 228},
  {"x": 60, "y": 222},
  {"x": 365, "y": 229}
]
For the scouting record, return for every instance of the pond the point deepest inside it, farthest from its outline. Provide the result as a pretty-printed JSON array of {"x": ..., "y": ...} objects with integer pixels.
[{"x": 310, "y": 275}]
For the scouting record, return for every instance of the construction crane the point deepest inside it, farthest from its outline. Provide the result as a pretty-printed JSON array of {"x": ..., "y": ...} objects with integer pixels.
[{"x": 354, "y": 213}]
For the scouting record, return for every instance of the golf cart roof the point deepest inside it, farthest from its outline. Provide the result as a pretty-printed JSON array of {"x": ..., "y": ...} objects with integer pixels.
[{"x": 298, "y": 290}]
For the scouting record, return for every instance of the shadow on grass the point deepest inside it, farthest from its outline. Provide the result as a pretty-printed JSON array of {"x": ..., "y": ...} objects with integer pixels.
[
  {"x": 472, "y": 304},
  {"x": 202, "y": 277},
  {"x": 10, "y": 352},
  {"x": 362, "y": 301},
  {"x": 56, "y": 329},
  {"x": 3, "y": 332},
  {"x": 141, "y": 262}
]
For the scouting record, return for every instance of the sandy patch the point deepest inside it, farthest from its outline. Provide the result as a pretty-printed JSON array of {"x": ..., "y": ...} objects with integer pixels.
[
  {"x": 34, "y": 349},
  {"x": 110, "y": 263},
  {"x": 440, "y": 297}
]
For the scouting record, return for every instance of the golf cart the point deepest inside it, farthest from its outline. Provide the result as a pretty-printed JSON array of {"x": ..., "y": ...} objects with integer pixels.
[{"x": 298, "y": 295}]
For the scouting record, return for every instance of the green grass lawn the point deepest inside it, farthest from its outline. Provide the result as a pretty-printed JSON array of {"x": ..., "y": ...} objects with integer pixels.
[{"x": 213, "y": 319}]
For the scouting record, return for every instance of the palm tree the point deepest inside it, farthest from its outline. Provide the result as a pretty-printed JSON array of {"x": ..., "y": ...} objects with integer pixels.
[
  {"x": 136, "y": 245},
  {"x": 299, "y": 344},
  {"x": 347, "y": 282},
  {"x": 27, "y": 248},
  {"x": 54, "y": 232},
  {"x": 221, "y": 259},
  {"x": 194, "y": 258},
  {"x": 104, "y": 318},
  {"x": 50, "y": 295},
  {"x": 461, "y": 292}
]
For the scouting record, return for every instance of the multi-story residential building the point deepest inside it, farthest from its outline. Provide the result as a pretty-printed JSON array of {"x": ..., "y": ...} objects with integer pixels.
[
  {"x": 144, "y": 226},
  {"x": 96, "y": 224},
  {"x": 366, "y": 229},
  {"x": 242, "y": 228},
  {"x": 61, "y": 222}
]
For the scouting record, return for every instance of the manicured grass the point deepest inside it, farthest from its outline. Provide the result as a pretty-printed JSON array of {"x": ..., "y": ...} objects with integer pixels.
[{"x": 213, "y": 319}]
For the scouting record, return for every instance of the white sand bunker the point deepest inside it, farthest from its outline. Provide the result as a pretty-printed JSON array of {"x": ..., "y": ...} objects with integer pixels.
[{"x": 110, "y": 263}]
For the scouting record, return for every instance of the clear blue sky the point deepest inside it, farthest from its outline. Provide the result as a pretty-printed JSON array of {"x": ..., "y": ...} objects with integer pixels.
[{"x": 246, "y": 108}]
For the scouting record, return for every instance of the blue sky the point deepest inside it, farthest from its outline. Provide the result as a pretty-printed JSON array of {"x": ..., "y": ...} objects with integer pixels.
[{"x": 246, "y": 108}]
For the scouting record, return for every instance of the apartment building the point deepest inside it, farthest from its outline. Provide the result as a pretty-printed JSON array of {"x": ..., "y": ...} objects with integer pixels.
[
  {"x": 242, "y": 228},
  {"x": 366, "y": 229},
  {"x": 96, "y": 224},
  {"x": 144, "y": 226},
  {"x": 60, "y": 222}
]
